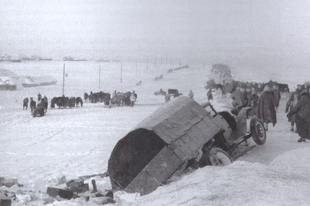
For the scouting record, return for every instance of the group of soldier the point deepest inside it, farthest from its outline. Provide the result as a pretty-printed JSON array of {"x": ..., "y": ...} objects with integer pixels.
[
  {"x": 43, "y": 103},
  {"x": 298, "y": 109},
  {"x": 264, "y": 106}
]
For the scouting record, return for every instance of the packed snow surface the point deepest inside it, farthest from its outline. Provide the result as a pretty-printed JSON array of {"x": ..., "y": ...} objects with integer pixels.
[{"x": 76, "y": 142}]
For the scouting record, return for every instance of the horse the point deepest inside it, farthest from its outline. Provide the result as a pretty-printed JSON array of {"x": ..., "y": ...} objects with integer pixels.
[
  {"x": 116, "y": 100},
  {"x": 72, "y": 102},
  {"x": 121, "y": 98},
  {"x": 33, "y": 105},
  {"x": 78, "y": 101},
  {"x": 62, "y": 102},
  {"x": 53, "y": 102},
  {"x": 86, "y": 96},
  {"x": 94, "y": 97},
  {"x": 25, "y": 103},
  {"x": 106, "y": 98}
]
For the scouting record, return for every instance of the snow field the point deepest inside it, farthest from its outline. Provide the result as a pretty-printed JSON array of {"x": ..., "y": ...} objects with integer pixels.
[{"x": 76, "y": 142}]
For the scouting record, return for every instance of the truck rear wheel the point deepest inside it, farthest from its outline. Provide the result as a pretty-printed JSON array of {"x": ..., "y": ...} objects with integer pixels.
[{"x": 218, "y": 157}]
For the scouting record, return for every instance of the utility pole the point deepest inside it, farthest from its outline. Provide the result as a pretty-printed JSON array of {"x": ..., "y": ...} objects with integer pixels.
[
  {"x": 63, "y": 81},
  {"x": 121, "y": 72},
  {"x": 99, "y": 75},
  {"x": 136, "y": 67}
]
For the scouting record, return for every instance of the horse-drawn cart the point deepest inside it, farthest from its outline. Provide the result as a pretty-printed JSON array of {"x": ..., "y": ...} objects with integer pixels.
[{"x": 163, "y": 144}]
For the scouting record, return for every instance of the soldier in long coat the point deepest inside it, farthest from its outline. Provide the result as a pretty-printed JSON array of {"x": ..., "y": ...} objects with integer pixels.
[
  {"x": 253, "y": 101},
  {"x": 302, "y": 111},
  {"x": 266, "y": 107},
  {"x": 239, "y": 100},
  {"x": 292, "y": 101}
]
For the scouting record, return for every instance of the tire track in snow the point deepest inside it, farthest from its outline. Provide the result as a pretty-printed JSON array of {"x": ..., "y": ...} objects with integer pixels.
[{"x": 46, "y": 139}]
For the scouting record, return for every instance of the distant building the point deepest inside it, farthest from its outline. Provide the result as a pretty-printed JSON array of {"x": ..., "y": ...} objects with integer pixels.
[{"x": 9, "y": 80}]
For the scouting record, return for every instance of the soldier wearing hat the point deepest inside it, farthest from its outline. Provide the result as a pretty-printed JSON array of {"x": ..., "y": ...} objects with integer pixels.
[
  {"x": 302, "y": 111},
  {"x": 292, "y": 101},
  {"x": 266, "y": 106}
]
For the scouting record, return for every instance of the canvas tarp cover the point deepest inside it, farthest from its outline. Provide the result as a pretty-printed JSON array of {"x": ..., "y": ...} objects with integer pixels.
[
  {"x": 168, "y": 124},
  {"x": 174, "y": 119}
]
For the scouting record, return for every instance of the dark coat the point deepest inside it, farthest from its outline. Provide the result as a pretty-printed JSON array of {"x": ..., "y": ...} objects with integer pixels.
[
  {"x": 247, "y": 98},
  {"x": 277, "y": 97},
  {"x": 253, "y": 103},
  {"x": 25, "y": 102},
  {"x": 302, "y": 108},
  {"x": 302, "y": 111},
  {"x": 266, "y": 108},
  {"x": 239, "y": 98},
  {"x": 292, "y": 101},
  {"x": 253, "y": 100}
]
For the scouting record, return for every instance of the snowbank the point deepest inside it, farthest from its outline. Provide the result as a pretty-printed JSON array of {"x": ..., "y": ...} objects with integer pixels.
[{"x": 241, "y": 183}]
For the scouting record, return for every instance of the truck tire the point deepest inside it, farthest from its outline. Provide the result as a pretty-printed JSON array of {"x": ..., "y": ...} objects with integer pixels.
[
  {"x": 258, "y": 131},
  {"x": 218, "y": 157}
]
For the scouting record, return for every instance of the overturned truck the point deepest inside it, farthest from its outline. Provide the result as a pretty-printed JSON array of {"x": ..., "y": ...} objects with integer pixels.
[{"x": 163, "y": 144}]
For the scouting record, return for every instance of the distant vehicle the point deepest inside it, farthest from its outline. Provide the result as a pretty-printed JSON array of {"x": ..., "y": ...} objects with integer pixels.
[
  {"x": 167, "y": 142},
  {"x": 174, "y": 92}
]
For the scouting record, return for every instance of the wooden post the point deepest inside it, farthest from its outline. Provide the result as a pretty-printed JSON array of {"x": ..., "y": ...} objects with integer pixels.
[
  {"x": 99, "y": 75},
  {"x": 63, "y": 81},
  {"x": 121, "y": 72},
  {"x": 136, "y": 67}
]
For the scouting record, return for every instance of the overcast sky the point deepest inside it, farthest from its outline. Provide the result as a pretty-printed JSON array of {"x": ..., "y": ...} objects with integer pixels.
[{"x": 234, "y": 31}]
